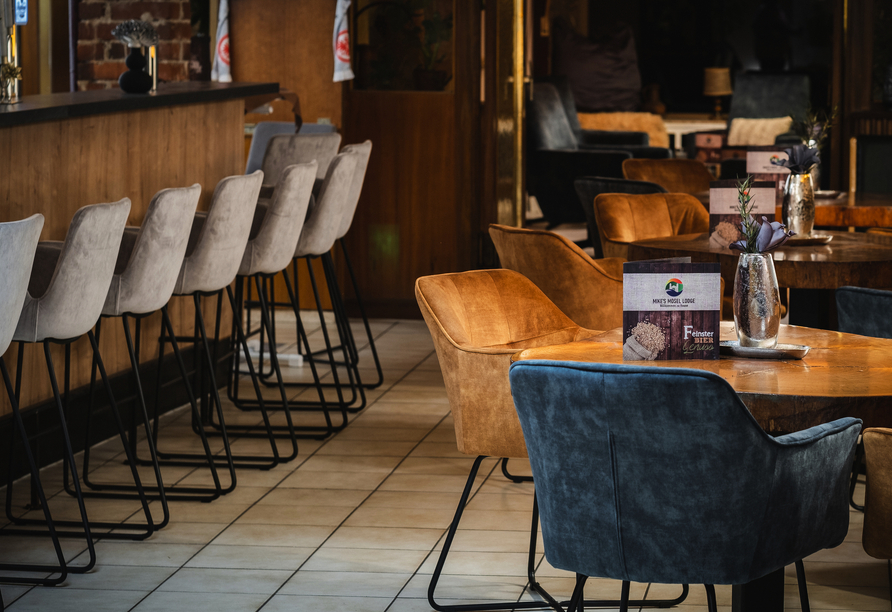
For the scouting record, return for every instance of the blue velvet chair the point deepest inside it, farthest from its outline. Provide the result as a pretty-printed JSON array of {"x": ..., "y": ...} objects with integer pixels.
[{"x": 662, "y": 475}]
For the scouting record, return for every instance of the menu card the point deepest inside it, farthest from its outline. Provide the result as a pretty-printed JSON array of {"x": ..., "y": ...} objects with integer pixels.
[
  {"x": 671, "y": 310},
  {"x": 758, "y": 163},
  {"x": 724, "y": 213}
]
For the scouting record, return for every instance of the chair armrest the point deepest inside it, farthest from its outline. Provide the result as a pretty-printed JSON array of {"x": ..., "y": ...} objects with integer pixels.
[
  {"x": 609, "y": 137},
  {"x": 808, "y": 508}
]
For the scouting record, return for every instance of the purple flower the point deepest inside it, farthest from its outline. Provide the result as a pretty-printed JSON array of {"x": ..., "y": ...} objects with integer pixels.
[
  {"x": 770, "y": 236},
  {"x": 801, "y": 159}
]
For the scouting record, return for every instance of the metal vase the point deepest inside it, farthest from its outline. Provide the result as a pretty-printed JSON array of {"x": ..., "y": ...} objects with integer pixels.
[
  {"x": 799, "y": 204},
  {"x": 757, "y": 308}
]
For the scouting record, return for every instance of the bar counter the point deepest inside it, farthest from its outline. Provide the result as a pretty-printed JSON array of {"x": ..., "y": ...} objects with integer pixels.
[{"x": 64, "y": 151}]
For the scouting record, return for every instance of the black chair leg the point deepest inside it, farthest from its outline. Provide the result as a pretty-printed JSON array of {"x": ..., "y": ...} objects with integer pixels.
[
  {"x": 365, "y": 319},
  {"x": 803, "y": 588},
  {"x": 623, "y": 597},
  {"x": 577, "y": 601},
  {"x": 61, "y": 569},
  {"x": 513, "y": 477},
  {"x": 710, "y": 598}
]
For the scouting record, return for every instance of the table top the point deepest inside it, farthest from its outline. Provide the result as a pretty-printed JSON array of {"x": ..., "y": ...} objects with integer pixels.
[
  {"x": 842, "y": 375},
  {"x": 859, "y": 259}
]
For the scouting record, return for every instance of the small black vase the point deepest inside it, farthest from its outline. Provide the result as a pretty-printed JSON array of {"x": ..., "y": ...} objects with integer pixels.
[{"x": 135, "y": 80}]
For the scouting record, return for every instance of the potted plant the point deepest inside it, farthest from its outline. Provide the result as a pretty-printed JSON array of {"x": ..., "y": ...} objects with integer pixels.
[{"x": 435, "y": 30}]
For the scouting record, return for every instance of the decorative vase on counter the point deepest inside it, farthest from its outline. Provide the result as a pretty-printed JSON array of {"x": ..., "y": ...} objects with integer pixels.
[
  {"x": 798, "y": 211},
  {"x": 136, "y": 79},
  {"x": 757, "y": 309}
]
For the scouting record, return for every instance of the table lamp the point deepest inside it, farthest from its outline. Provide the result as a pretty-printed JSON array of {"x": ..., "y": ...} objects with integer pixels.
[{"x": 717, "y": 83}]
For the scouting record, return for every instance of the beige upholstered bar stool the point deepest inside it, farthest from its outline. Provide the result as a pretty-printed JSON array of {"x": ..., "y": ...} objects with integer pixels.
[
  {"x": 316, "y": 240},
  {"x": 18, "y": 244},
  {"x": 288, "y": 149},
  {"x": 68, "y": 285},
  {"x": 213, "y": 256},
  {"x": 274, "y": 237},
  {"x": 147, "y": 267}
]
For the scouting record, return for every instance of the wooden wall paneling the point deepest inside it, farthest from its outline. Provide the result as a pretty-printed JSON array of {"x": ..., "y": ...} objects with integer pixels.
[
  {"x": 407, "y": 221},
  {"x": 288, "y": 42},
  {"x": 60, "y": 166}
]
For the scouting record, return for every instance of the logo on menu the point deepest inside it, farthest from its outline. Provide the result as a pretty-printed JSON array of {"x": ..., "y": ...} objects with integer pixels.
[{"x": 674, "y": 287}]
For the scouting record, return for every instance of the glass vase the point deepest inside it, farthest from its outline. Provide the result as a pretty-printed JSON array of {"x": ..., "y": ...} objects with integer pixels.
[
  {"x": 799, "y": 204},
  {"x": 757, "y": 308}
]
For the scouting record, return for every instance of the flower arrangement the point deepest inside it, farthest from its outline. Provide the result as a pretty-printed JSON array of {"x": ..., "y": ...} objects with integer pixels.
[
  {"x": 814, "y": 127},
  {"x": 8, "y": 72},
  {"x": 801, "y": 160},
  {"x": 758, "y": 237},
  {"x": 136, "y": 33}
]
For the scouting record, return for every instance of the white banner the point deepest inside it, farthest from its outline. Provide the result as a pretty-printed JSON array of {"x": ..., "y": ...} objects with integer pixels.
[
  {"x": 220, "y": 70},
  {"x": 341, "y": 43},
  {"x": 660, "y": 291}
]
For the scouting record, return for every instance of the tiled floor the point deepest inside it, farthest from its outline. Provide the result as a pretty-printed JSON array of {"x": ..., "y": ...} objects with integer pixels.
[{"x": 355, "y": 524}]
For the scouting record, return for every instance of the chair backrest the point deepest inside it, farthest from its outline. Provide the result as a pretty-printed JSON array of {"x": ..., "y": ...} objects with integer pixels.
[
  {"x": 363, "y": 151},
  {"x": 150, "y": 261},
  {"x": 477, "y": 321},
  {"x": 286, "y": 150},
  {"x": 877, "y": 535},
  {"x": 625, "y": 218},
  {"x": 590, "y": 292},
  {"x": 265, "y": 130},
  {"x": 764, "y": 96},
  {"x": 324, "y": 221},
  {"x": 549, "y": 127},
  {"x": 864, "y": 311},
  {"x": 872, "y": 162},
  {"x": 67, "y": 291},
  {"x": 18, "y": 242},
  {"x": 212, "y": 263},
  {"x": 673, "y": 175},
  {"x": 272, "y": 249},
  {"x": 590, "y": 187},
  {"x": 662, "y": 475}
]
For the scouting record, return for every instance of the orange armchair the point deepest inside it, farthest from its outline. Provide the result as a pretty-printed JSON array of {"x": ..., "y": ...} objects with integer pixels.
[
  {"x": 625, "y": 218},
  {"x": 589, "y": 291},
  {"x": 674, "y": 175}
]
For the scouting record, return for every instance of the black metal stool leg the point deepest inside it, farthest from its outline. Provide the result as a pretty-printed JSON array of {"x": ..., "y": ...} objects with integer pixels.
[
  {"x": 803, "y": 588},
  {"x": 365, "y": 319},
  {"x": 513, "y": 477},
  {"x": 710, "y": 598}
]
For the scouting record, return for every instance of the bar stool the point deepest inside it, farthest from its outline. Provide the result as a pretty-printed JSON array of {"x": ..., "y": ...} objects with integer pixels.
[
  {"x": 215, "y": 251},
  {"x": 316, "y": 239},
  {"x": 147, "y": 268},
  {"x": 68, "y": 285},
  {"x": 277, "y": 228},
  {"x": 18, "y": 244}
]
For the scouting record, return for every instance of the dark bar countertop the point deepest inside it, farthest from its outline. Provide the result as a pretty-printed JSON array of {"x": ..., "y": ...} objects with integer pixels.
[{"x": 52, "y": 107}]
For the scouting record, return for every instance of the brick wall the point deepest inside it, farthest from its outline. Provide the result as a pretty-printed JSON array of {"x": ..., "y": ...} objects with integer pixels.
[{"x": 100, "y": 57}]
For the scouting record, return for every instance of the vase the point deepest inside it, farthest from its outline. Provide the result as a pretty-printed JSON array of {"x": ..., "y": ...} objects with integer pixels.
[
  {"x": 136, "y": 79},
  {"x": 799, "y": 204},
  {"x": 757, "y": 309}
]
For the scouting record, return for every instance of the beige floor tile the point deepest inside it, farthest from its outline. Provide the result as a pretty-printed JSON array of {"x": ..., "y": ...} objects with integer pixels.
[
  {"x": 424, "y": 518},
  {"x": 161, "y": 601},
  {"x": 383, "y": 434},
  {"x": 120, "y": 577},
  {"x": 474, "y": 540},
  {"x": 187, "y": 533},
  {"x": 200, "y": 512},
  {"x": 208, "y": 580},
  {"x": 366, "y": 481},
  {"x": 336, "y": 583},
  {"x": 252, "y": 557},
  {"x": 12, "y": 592},
  {"x": 413, "y": 499},
  {"x": 318, "y": 603},
  {"x": 273, "y": 535},
  {"x": 385, "y": 537},
  {"x": 427, "y": 483},
  {"x": 349, "y": 463},
  {"x": 497, "y": 520},
  {"x": 366, "y": 447},
  {"x": 76, "y": 600},
  {"x": 480, "y": 587},
  {"x": 450, "y": 466},
  {"x": 314, "y": 497},
  {"x": 330, "y": 559},
  {"x": 331, "y": 516},
  {"x": 144, "y": 553},
  {"x": 480, "y": 563}
]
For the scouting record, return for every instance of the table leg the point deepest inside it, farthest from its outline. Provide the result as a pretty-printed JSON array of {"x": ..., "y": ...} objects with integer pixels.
[
  {"x": 813, "y": 308},
  {"x": 763, "y": 595}
]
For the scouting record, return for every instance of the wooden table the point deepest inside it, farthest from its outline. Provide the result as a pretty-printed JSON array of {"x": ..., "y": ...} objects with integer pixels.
[
  {"x": 842, "y": 375},
  {"x": 859, "y": 259}
]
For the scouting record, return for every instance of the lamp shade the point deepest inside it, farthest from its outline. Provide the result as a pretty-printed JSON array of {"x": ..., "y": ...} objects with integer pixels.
[{"x": 717, "y": 82}]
